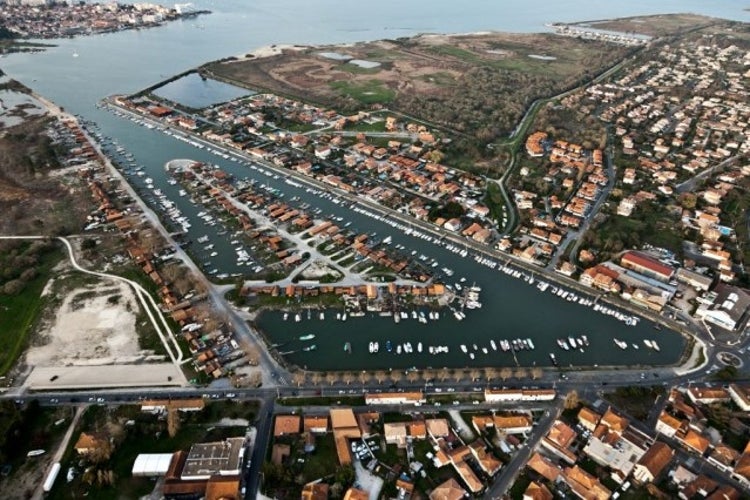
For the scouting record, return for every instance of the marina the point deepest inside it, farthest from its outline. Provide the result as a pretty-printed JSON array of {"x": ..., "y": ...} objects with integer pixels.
[{"x": 513, "y": 306}]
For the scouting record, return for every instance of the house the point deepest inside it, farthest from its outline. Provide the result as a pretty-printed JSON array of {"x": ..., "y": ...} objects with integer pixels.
[
  {"x": 584, "y": 485},
  {"x": 558, "y": 439},
  {"x": 742, "y": 467},
  {"x": 544, "y": 467},
  {"x": 316, "y": 425},
  {"x": 513, "y": 424},
  {"x": 356, "y": 494},
  {"x": 88, "y": 443},
  {"x": 449, "y": 490},
  {"x": 536, "y": 491},
  {"x": 653, "y": 462},
  {"x": 707, "y": 395},
  {"x": 740, "y": 394},
  {"x": 286, "y": 425},
  {"x": 667, "y": 424},
  {"x": 395, "y": 433},
  {"x": 588, "y": 418},
  {"x": 315, "y": 491},
  {"x": 437, "y": 428}
]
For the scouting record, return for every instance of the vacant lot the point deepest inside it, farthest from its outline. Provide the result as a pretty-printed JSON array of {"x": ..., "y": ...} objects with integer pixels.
[
  {"x": 94, "y": 325},
  {"x": 474, "y": 84}
]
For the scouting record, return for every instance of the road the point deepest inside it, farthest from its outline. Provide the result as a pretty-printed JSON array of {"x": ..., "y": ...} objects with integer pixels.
[
  {"x": 148, "y": 303},
  {"x": 510, "y": 471},
  {"x": 39, "y": 493}
]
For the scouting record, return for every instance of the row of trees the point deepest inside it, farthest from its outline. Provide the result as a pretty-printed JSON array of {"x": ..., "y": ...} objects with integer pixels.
[{"x": 413, "y": 376}]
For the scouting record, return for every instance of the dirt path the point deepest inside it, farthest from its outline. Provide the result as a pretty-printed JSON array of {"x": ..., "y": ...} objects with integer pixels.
[{"x": 39, "y": 492}]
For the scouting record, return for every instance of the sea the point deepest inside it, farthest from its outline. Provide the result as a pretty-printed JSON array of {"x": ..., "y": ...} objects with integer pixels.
[{"x": 78, "y": 72}]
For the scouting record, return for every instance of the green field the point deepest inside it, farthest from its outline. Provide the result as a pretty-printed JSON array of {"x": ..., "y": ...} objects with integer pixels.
[
  {"x": 369, "y": 92},
  {"x": 18, "y": 313}
]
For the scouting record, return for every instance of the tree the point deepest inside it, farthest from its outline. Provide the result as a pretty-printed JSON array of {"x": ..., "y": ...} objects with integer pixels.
[
  {"x": 475, "y": 373},
  {"x": 490, "y": 373},
  {"x": 316, "y": 377},
  {"x": 298, "y": 378},
  {"x": 505, "y": 373},
  {"x": 444, "y": 374},
  {"x": 364, "y": 376},
  {"x": 458, "y": 374},
  {"x": 331, "y": 377},
  {"x": 347, "y": 377},
  {"x": 396, "y": 376},
  {"x": 412, "y": 376},
  {"x": 173, "y": 422},
  {"x": 381, "y": 376},
  {"x": 536, "y": 373},
  {"x": 571, "y": 400},
  {"x": 521, "y": 373}
]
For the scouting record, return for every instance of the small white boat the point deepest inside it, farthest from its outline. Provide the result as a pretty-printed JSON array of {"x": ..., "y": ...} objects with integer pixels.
[
  {"x": 463, "y": 348},
  {"x": 493, "y": 345}
]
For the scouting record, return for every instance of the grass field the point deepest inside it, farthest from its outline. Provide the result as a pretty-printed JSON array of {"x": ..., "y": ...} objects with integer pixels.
[
  {"x": 368, "y": 92},
  {"x": 18, "y": 313}
]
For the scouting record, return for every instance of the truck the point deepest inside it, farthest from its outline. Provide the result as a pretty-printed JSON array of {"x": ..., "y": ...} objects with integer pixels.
[{"x": 50, "y": 480}]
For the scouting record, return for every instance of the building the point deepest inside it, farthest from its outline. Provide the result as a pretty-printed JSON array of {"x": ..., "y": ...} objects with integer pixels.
[
  {"x": 88, "y": 443},
  {"x": 223, "y": 458},
  {"x": 740, "y": 394},
  {"x": 315, "y": 491},
  {"x": 544, "y": 467},
  {"x": 742, "y": 467},
  {"x": 588, "y": 418},
  {"x": 646, "y": 265},
  {"x": 345, "y": 427},
  {"x": 395, "y": 398},
  {"x": 698, "y": 281},
  {"x": 316, "y": 425},
  {"x": 437, "y": 428},
  {"x": 162, "y": 405},
  {"x": 536, "y": 491},
  {"x": 584, "y": 485},
  {"x": 356, "y": 494},
  {"x": 653, "y": 462},
  {"x": 707, "y": 395},
  {"x": 286, "y": 425},
  {"x": 558, "y": 440},
  {"x": 151, "y": 464},
  {"x": 500, "y": 395},
  {"x": 726, "y": 307},
  {"x": 449, "y": 490},
  {"x": 395, "y": 433},
  {"x": 513, "y": 424}
]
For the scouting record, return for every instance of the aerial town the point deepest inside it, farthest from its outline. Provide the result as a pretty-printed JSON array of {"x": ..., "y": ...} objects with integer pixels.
[{"x": 217, "y": 288}]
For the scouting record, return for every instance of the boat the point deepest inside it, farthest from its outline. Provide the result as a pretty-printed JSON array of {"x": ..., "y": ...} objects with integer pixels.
[
  {"x": 376, "y": 347},
  {"x": 286, "y": 316},
  {"x": 348, "y": 347},
  {"x": 572, "y": 342},
  {"x": 655, "y": 346},
  {"x": 552, "y": 357},
  {"x": 419, "y": 347},
  {"x": 585, "y": 340},
  {"x": 474, "y": 346},
  {"x": 309, "y": 336},
  {"x": 463, "y": 348},
  {"x": 297, "y": 318},
  {"x": 635, "y": 346},
  {"x": 484, "y": 350},
  {"x": 343, "y": 317},
  {"x": 622, "y": 345},
  {"x": 471, "y": 355},
  {"x": 398, "y": 349},
  {"x": 388, "y": 346},
  {"x": 372, "y": 347},
  {"x": 310, "y": 348},
  {"x": 493, "y": 345},
  {"x": 530, "y": 343},
  {"x": 648, "y": 343},
  {"x": 35, "y": 453},
  {"x": 322, "y": 316}
]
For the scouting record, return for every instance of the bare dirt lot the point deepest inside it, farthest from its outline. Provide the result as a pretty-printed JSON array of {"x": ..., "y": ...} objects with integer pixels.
[
  {"x": 93, "y": 325},
  {"x": 658, "y": 25}
]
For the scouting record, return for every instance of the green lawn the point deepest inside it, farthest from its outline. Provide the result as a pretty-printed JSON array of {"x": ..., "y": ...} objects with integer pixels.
[
  {"x": 369, "y": 92},
  {"x": 18, "y": 313},
  {"x": 358, "y": 70}
]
